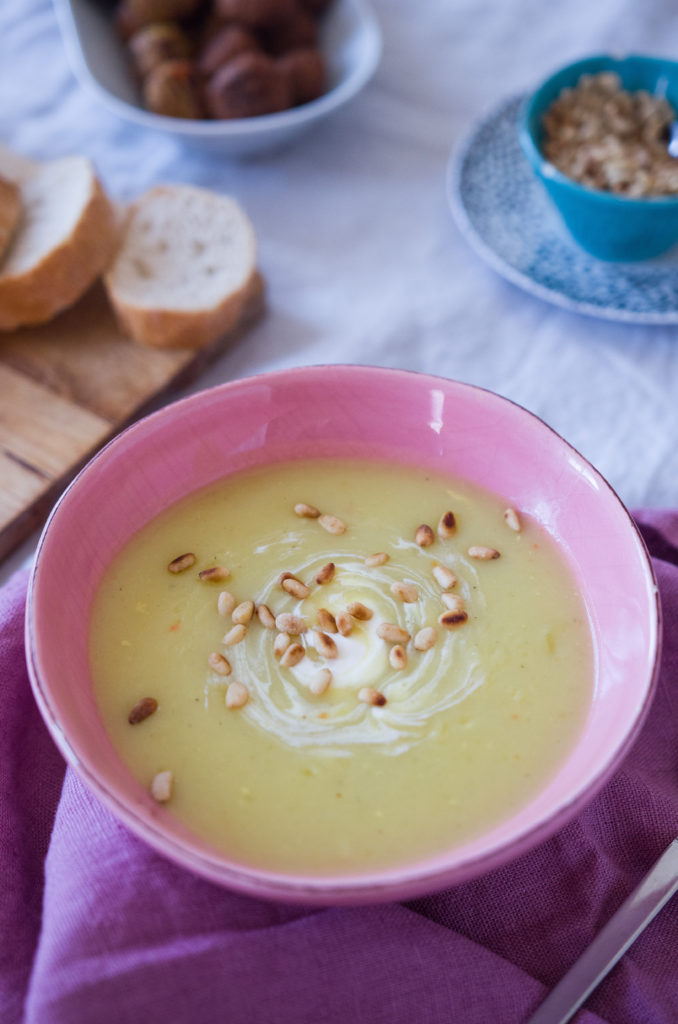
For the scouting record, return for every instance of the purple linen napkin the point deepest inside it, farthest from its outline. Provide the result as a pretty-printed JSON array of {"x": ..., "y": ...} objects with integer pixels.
[{"x": 98, "y": 928}]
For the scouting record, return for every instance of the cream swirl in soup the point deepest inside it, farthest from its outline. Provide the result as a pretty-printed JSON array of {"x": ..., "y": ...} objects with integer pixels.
[{"x": 431, "y": 681}]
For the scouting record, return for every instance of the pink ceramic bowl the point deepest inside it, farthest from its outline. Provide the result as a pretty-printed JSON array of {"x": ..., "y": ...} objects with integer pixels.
[{"x": 364, "y": 413}]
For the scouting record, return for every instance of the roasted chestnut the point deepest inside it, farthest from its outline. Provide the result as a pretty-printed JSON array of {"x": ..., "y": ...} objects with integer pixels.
[
  {"x": 295, "y": 33},
  {"x": 249, "y": 85},
  {"x": 255, "y": 13},
  {"x": 156, "y": 44},
  {"x": 306, "y": 74},
  {"x": 223, "y": 47},
  {"x": 131, "y": 15},
  {"x": 171, "y": 90}
]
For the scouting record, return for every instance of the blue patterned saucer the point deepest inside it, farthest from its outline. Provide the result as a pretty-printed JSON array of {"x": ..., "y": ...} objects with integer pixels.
[{"x": 505, "y": 215}]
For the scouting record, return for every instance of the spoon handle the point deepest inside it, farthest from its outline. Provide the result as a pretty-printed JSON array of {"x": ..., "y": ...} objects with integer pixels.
[{"x": 611, "y": 943}]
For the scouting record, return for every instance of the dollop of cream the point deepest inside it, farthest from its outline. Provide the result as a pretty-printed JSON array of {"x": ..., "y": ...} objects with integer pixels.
[{"x": 281, "y": 701}]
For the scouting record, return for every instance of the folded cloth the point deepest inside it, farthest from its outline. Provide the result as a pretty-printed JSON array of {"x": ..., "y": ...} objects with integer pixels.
[{"x": 98, "y": 928}]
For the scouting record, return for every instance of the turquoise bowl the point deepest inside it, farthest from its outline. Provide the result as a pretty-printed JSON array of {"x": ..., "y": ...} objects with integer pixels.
[{"x": 609, "y": 226}]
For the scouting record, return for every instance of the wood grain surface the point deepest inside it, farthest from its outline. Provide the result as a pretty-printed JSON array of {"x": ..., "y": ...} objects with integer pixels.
[{"x": 69, "y": 386}]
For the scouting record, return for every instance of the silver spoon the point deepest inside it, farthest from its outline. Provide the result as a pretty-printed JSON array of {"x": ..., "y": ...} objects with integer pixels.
[
  {"x": 611, "y": 943},
  {"x": 673, "y": 139}
]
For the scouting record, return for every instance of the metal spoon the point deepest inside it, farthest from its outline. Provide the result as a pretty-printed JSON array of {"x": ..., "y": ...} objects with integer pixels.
[
  {"x": 669, "y": 133},
  {"x": 611, "y": 943}
]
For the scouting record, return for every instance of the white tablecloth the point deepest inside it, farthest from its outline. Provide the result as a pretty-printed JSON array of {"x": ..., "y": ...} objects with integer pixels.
[{"x": 363, "y": 261}]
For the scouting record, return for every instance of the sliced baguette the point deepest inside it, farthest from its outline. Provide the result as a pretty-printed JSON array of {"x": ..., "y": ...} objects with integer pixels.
[
  {"x": 65, "y": 238},
  {"x": 185, "y": 268},
  {"x": 10, "y": 211}
]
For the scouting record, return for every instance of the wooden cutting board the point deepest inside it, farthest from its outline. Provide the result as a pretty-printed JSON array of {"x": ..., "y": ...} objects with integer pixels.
[{"x": 70, "y": 385}]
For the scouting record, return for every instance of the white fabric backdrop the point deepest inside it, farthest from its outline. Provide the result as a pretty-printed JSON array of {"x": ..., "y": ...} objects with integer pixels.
[{"x": 363, "y": 261}]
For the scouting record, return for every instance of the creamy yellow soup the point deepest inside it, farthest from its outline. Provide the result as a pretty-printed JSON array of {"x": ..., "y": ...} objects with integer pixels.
[{"x": 356, "y": 751}]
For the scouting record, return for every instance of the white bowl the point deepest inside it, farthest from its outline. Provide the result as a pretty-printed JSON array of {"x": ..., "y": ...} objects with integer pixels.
[{"x": 350, "y": 40}]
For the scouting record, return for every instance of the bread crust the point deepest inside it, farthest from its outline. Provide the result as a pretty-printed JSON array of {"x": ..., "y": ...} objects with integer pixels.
[
  {"x": 173, "y": 328},
  {"x": 10, "y": 211},
  {"x": 66, "y": 271}
]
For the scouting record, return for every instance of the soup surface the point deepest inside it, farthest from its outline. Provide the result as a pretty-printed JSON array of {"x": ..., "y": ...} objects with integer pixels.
[{"x": 363, "y": 751}]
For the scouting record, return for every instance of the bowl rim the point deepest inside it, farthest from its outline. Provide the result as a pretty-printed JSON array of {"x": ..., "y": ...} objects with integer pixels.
[
  {"x": 401, "y": 881},
  {"x": 235, "y": 128},
  {"x": 546, "y": 170}
]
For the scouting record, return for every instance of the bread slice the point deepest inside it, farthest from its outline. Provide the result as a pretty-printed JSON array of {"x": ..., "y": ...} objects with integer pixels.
[
  {"x": 66, "y": 236},
  {"x": 10, "y": 211},
  {"x": 185, "y": 268}
]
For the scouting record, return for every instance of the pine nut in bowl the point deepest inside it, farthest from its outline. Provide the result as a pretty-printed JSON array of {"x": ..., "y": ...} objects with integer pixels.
[
  {"x": 405, "y": 720},
  {"x": 349, "y": 42},
  {"x": 596, "y": 135}
]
